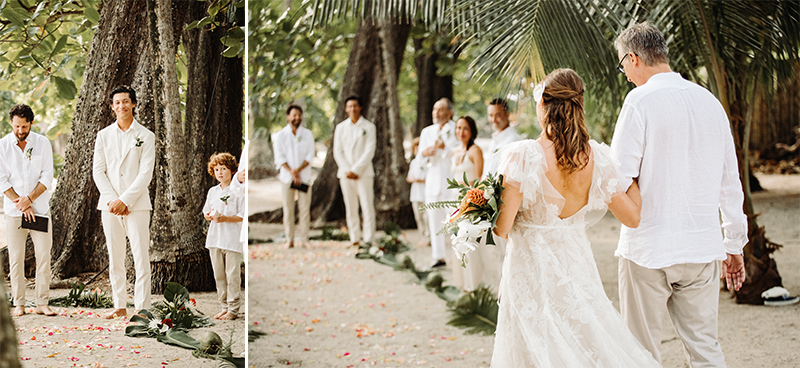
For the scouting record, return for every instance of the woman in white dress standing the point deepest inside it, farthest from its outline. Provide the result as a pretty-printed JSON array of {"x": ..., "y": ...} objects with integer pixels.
[
  {"x": 467, "y": 160},
  {"x": 553, "y": 309}
]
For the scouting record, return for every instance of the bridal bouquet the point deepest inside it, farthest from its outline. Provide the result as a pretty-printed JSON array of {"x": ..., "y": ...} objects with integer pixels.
[{"x": 477, "y": 209}]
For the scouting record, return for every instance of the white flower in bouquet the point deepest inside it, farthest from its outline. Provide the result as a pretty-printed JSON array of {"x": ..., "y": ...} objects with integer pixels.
[
  {"x": 465, "y": 241},
  {"x": 153, "y": 325},
  {"x": 488, "y": 192}
]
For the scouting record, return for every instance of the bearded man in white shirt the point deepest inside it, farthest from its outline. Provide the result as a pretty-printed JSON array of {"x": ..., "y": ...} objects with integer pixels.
[
  {"x": 294, "y": 152},
  {"x": 353, "y": 149},
  {"x": 436, "y": 143},
  {"x": 674, "y": 136},
  {"x": 124, "y": 158},
  {"x": 26, "y": 180},
  {"x": 504, "y": 134}
]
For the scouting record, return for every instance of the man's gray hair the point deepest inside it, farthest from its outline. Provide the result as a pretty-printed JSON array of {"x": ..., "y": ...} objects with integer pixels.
[
  {"x": 447, "y": 102},
  {"x": 646, "y": 41}
]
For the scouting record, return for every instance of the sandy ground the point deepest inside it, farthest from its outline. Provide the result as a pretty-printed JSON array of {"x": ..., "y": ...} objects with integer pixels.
[
  {"x": 321, "y": 307},
  {"x": 80, "y": 338}
]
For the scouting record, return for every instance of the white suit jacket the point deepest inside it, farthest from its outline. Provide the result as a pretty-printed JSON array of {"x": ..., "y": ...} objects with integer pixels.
[
  {"x": 127, "y": 177},
  {"x": 438, "y": 172},
  {"x": 354, "y": 148}
]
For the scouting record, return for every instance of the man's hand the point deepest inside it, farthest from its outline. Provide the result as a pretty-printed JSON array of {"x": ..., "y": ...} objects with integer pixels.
[
  {"x": 296, "y": 177},
  {"x": 241, "y": 176},
  {"x": 351, "y": 175},
  {"x": 118, "y": 207},
  {"x": 733, "y": 271},
  {"x": 428, "y": 152},
  {"x": 439, "y": 144},
  {"x": 29, "y": 214},
  {"x": 22, "y": 203}
]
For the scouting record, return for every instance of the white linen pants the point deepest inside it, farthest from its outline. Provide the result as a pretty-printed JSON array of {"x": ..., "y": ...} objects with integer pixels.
[
  {"x": 303, "y": 206},
  {"x": 436, "y": 216},
  {"x": 689, "y": 291},
  {"x": 136, "y": 226},
  {"x": 228, "y": 276},
  {"x": 355, "y": 192},
  {"x": 16, "y": 237}
]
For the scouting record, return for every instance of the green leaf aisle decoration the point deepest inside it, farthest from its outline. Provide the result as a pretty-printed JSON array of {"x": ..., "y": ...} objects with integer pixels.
[{"x": 79, "y": 297}]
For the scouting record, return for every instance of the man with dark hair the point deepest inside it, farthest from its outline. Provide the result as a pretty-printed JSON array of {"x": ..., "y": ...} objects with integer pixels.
[
  {"x": 124, "y": 158},
  {"x": 26, "y": 180},
  {"x": 294, "y": 151},
  {"x": 673, "y": 136},
  {"x": 504, "y": 134},
  {"x": 353, "y": 149}
]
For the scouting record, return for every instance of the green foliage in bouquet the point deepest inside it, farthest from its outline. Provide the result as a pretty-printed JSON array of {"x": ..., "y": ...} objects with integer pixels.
[
  {"x": 175, "y": 307},
  {"x": 331, "y": 233},
  {"x": 472, "y": 203},
  {"x": 476, "y": 312},
  {"x": 81, "y": 298}
]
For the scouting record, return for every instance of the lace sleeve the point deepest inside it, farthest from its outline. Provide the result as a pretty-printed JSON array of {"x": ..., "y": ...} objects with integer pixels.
[
  {"x": 607, "y": 184},
  {"x": 521, "y": 164}
]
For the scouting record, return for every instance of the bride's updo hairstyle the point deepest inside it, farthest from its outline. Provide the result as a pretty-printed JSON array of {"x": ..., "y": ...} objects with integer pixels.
[{"x": 563, "y": 119}]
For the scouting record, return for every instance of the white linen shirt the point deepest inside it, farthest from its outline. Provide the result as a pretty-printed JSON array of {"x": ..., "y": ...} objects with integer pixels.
[
  {"x": 416, "y": 171},
  {"x": 354, "y": 147},
  {"x": 224, "y": 235},
  {"x": 499, "y": 140},
  {"x": 438, "y": 165},
  {"x": 675, "y": 137},
  {"x": 22, "y": 173},
  {"x": 292, "y": 149}
]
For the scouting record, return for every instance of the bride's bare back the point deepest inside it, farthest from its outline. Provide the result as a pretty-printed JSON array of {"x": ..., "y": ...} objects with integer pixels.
[{"x": 574, "y": 187}]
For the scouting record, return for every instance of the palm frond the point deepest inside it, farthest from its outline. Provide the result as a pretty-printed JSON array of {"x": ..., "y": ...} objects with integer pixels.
[{"x": 476, "y": 312}]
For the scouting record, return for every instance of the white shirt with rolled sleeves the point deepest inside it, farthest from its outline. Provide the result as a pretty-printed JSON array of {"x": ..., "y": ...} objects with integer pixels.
[
  {"x": 675, "y": 137},
  {"x": 499, "y": 140},
  {"x": 354, "y": 147},
  {"x": 438, "y": 165},
  {"x": 23, "y": 173},
  {"x": 293, "y": 149},
  {"x": 224, "y": 235}
]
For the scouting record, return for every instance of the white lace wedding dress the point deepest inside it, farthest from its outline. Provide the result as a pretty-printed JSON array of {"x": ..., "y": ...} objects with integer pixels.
[{"x": 553, "y": 310}]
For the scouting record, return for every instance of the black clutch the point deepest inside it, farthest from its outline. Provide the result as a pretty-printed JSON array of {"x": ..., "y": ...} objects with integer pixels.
[
  {"x": 303, "y": 187},
  {"x": 39, "y": 225}
]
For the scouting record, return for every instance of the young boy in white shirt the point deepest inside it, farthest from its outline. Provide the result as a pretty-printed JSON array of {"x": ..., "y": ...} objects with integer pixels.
[{"x": 225, "y": 211}]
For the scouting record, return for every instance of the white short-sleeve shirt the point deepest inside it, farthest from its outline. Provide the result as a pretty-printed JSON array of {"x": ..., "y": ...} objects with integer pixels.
[{"x": 224, "y": 235}]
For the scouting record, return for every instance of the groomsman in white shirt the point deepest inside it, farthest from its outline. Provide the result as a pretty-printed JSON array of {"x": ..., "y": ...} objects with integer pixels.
[
  {"x": 436, "y": 142},
  {"x": 674, "y": 136},
  {"x": 504, "y": 134},
  {"x": 26, "y": 180},
  {"x": 294, "y": 152},
  {"x": 124, "y": 158},
  {"x": 353, "y": 150}
]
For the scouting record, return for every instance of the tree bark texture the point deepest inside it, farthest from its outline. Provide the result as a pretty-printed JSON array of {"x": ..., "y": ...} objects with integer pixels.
[
  {"x": 761, "y": 269},
  {"x": 373, "y": 78},
  {"x": 144, "y": 42},
  {"x": 9, "y": 357},
  {"x": 430, "y": 87}
]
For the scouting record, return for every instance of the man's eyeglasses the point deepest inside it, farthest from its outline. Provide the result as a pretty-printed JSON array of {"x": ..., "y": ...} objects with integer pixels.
[{"x": 619, "y": 66}]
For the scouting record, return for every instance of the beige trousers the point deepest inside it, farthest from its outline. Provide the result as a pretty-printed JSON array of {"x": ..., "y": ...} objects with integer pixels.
[
  {"x": 136, "y": 227},
  {"x": 421, "y": 218},
  {"x": 304, "y": 207},
  {"x": 689, "y": 292},
  {"x": 228, "y": 275},
  {"x": 16, "y": 237},
  {"x": 355, "y": 192}
]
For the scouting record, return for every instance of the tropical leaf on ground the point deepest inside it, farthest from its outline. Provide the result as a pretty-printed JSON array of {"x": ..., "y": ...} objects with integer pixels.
[
  {"x": 387, "y": 259},
  {"x": 448, "y": 293},
  {"x": 476, "y": 312},
  {"x": 435, "y": 282},
  {"x": 178, "y": 338},
  {"x": 253, "y": 334}
]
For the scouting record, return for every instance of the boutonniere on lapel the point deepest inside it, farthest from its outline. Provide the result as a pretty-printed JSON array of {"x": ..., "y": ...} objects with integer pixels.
[
  {"x": 299, "y": 137},
  {"x": 139, "y": 142},
  {"x": 225, "y": 199},
  {"x": 29, "y": 153},
  {"x": 363, "y": 132},
  {"x": 444, "y": 133}
]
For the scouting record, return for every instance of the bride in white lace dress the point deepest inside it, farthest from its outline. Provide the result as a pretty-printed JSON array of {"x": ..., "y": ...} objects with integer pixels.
[{"x": 553, "y": 309}]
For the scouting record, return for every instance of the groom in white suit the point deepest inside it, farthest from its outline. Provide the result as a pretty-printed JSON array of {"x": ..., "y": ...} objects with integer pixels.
[{"x": 124, "y": 157}]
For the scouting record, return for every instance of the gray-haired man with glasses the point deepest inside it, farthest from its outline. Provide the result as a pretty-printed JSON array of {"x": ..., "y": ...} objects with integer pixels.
[{"x": 674, "y": 136}]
